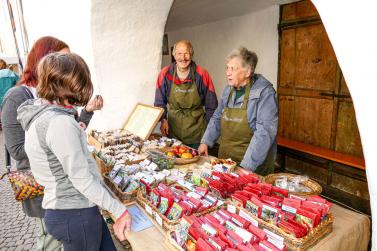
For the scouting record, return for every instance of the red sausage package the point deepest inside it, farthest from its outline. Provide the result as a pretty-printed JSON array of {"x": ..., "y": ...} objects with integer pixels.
[
  {"x": 279, "y": 192},
  {"x": 202, "y": 245},
  {"x": 307, "y": 218},
  {"x": 292, "y": 227},
  {"x": 217, "y": 243},
  {"x": 272, "y": 201},
  {"x": 239, "y": 200}
]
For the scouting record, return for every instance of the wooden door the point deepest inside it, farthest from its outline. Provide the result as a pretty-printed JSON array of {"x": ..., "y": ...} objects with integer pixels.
[{"x": 315, "y": 105}]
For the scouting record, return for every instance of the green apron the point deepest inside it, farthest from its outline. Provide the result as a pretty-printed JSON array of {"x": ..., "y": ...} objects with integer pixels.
[
  {"x": 186, "y": 116},
  {"x": 236, "y": 135}
]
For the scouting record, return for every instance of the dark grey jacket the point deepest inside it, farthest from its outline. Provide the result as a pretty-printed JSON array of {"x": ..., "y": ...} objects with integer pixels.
[{"x": 14, "y": 138}]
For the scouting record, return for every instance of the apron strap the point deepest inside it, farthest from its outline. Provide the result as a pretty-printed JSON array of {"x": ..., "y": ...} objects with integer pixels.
[{"x": 246, "y": 96}]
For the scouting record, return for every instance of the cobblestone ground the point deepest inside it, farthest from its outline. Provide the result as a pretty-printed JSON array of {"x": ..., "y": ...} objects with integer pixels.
[{"x": 17, "y": 231}]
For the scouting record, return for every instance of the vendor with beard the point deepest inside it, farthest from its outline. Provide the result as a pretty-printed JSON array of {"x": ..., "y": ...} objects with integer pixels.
[
  {"x": 186, "y": 92},
  {"x": 246, "y": 120}
]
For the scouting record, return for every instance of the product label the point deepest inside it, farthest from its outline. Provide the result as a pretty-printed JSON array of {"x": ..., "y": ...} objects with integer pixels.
[
  {"x": 252, "y": 208},
  {"x": 275, "y": 239},
  {"x": 148, "y": 209},
  {"x": 248, "y": 218},
  {"x": 269, "y": 214},
  {"x": 231, "y": 208},
  {"x": 289, "y": 209},
  {"x": 158, "y": 219}
]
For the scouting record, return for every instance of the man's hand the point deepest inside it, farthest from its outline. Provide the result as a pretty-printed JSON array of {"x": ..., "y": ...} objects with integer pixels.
[
  {"x": 164, "y": 127},
  {"x": 203, "y": 150},
  {"x": 121, "y": 225},
  {"x": 95, "y": 104}
]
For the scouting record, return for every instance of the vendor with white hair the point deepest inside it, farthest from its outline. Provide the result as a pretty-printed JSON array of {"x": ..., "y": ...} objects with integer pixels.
[{"x": 246, "y": 120}]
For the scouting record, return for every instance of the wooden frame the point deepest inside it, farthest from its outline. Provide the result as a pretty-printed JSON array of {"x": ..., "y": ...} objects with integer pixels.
[{"x": 143, "y": 119}]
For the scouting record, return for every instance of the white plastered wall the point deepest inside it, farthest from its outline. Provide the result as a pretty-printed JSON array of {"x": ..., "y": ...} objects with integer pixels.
[
  {"x": 120, "y": 40},
  {"x": 67, "y": 20},
  {"x": 127, "y": 41},
  {"x": 212, "y": 42},
  {"x": 351, "y": 28}
]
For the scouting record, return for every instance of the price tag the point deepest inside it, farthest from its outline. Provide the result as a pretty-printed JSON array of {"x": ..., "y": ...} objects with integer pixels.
[
  {"x": 148, "y": 209},
  {"x": 158, "y": 219},
  {"x": 231, "y": 208}
]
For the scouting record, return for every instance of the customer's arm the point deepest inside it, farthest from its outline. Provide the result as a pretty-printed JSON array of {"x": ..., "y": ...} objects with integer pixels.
[{"x": 14, "y": 135}]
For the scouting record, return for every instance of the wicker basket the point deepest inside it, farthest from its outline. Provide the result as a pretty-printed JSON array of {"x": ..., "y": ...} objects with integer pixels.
[
  {"x": 102, "y": 167},
  {"x": 171, "y": 244},
  {"x": 125, "y": 197},
  {"x": 293, "y": 243},
  {"x": 180, "y": 161},
  {"x": 168, "y": 225},
  {"x": 315, "y": 188}
]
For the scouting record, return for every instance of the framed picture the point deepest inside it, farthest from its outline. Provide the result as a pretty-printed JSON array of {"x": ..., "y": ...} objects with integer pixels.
[
  {"x": 165, "y": 45},
  {"x": 143, "y": 120}
]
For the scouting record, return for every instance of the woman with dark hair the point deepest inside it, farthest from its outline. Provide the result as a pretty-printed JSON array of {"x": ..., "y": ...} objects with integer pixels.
[
  {"x": 14, "y": 135},
  {"x": 62, "y": 163}
]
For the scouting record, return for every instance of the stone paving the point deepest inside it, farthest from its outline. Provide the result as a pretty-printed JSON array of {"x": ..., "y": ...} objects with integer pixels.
[{"x": 17, "y": 231}]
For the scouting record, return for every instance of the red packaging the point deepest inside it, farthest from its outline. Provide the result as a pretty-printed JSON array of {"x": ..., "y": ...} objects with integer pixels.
[
  {"x": 239, "y": 221},
  {"x": 245, "y": 194},
  {"x": 275, "y": 202},
  {"x": 196, "y": 232},
  {"x": 202, "y": 245},
  {"x": 214, "y": 222},
  {"x": 239, "y": 200},
  {"x": 166, "y": 201},
  {"x": 265, "y": 188},
  {"x": 286, "y": 216},
  {"x": 217, "y": 243},
  {"x": 217, "y": 175},
  {"x": 187, "y": 206},
  {"x": 279, "y": 191},
  {"x": 296, "y": 197},
  {"x": 242, "y": 247},
  {"x": 197, "y": 203},
  {"x": 254, "y": 191},
  {"x": 316, "y": 198},
  {"x": 226, "y": 212},
  {"x": 219, "y": 217},
  {"x": 145, "y": 187},
  {"x": 307, "y": 218},
  {"x": 290, "y": 228},
  {"x": 269, "y": 246},
  {"x": 223, "y": 237},
  {"x": 252, "y": 177},
  {"x": 257, "y": 232},
  {"x": 201, "y": 190},
  {"x": 316, "y": 207},
  {"x": 235, "y": 238}
]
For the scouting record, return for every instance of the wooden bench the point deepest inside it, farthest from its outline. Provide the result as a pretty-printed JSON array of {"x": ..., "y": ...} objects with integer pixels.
[{"x": 321, "y": 152}]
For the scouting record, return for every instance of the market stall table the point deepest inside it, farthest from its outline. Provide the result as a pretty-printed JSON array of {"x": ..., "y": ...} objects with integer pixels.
[{"x": 351, "y": 230}]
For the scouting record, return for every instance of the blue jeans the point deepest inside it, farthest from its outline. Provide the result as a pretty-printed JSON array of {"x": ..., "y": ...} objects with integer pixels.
[{"x": 79, "y": 229}]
